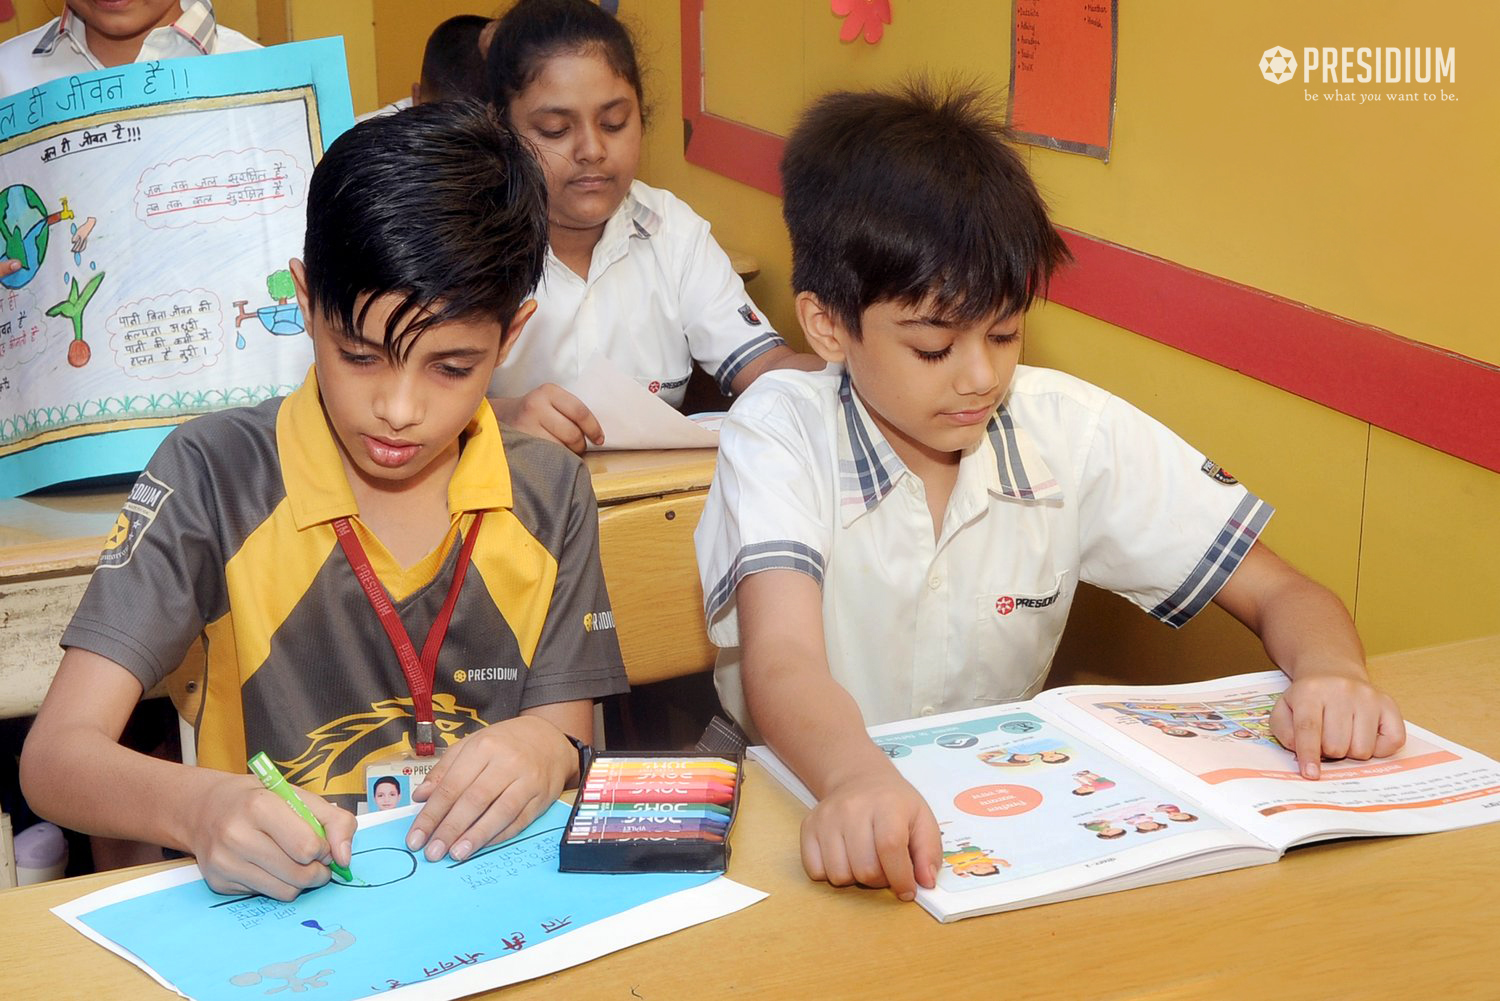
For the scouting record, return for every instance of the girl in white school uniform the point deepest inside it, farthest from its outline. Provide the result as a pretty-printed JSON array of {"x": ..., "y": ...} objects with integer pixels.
[{"x": 633, "y": 273}]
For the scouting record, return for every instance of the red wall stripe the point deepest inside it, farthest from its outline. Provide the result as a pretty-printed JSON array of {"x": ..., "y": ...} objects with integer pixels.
[{"x": 1442, "y": 399}]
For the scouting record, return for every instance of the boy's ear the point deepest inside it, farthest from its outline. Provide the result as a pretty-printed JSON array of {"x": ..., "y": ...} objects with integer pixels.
[
  {"x": 825, "y": 334},
  {"x": 299, "y": 279},
  {"x": 508, "y": 339}
]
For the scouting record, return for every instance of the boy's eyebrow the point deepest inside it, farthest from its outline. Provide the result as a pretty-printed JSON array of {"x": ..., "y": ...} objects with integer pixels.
[
  {"x": 459, "y": 353},
  {"x": 927, "y": 321}
]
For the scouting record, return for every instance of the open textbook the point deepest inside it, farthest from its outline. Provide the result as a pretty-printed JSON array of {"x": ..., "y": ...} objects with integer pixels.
[{"x": 1091, "y": 789}]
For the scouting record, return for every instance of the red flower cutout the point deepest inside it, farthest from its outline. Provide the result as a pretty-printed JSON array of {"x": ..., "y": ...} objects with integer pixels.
[{"x": 867, "y": 17}]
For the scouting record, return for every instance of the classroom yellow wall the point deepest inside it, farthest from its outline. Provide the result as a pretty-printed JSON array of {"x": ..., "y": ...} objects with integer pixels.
[{"x": 1385, "y": 214}]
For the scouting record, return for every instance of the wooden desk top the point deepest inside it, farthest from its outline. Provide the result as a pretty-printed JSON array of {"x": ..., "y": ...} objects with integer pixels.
[
  {"x": 62, "y": 533},
  {"x": 1375, "y": 918}
]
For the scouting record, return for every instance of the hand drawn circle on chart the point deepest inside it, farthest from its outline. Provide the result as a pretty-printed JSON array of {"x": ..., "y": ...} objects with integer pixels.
[
  {"x": 957, "y": 740},
  {"x": 379, "y": 867},
  {"x": 894, "y": 750},
  {"x": 998, "y": 800}
]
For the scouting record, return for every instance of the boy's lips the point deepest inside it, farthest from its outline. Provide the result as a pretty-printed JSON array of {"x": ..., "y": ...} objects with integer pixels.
[
  {"x": 967, "y": 418},
  {"x": 387, "y": 453}
]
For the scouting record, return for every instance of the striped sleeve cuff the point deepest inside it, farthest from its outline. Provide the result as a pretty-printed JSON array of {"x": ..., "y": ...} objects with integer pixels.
[
  {"x": 742, "y": 356},
  {"x": 1229, "y": 547},
  {"x": 780, "y": 555}
]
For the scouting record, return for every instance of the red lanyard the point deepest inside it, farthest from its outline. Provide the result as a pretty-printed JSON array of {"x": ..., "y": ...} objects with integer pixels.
[{"x": 419, "y": 673}]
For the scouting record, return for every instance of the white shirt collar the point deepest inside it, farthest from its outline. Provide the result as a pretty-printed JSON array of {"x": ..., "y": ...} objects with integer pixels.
[
  {"x": 869, "y": 468},
  {"x": 196, "y": 27}
]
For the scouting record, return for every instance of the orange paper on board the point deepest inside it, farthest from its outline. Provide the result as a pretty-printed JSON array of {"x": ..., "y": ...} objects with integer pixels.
[{"x": 1063, "y": 73}]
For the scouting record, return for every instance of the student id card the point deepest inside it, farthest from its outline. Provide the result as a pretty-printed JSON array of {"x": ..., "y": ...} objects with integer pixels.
[{"x": 389, "y": 784}]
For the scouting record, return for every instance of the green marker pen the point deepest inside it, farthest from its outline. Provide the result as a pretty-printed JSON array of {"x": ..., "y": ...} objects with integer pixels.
[{"x": 270, "y": 777}]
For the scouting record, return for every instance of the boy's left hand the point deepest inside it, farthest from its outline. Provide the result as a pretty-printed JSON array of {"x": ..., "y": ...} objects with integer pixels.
[
  {"x": 1335, "y": 716},
  {"x": 489, "y": 786}
]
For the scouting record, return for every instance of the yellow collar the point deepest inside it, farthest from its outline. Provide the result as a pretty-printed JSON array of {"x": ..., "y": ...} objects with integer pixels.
[{"x": 313, "y": 471}]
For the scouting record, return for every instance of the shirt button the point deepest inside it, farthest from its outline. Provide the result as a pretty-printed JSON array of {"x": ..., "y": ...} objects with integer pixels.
[
  {"x": 911, "y": 486},
  {"x": 928, "y": 710},
  {"x": 935, "y": 582}
]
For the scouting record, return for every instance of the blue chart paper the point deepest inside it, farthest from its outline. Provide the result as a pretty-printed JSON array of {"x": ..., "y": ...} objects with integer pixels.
[
  {"x": 418, "y": 922},
  {"x": 154, "y": 207}
]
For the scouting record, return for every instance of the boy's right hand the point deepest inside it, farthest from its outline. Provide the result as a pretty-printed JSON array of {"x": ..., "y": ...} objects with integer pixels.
[
  {"x": 549, "y": 411},
  {"x": 876, "y": 830},
  {"x": 248, "y": 840}
]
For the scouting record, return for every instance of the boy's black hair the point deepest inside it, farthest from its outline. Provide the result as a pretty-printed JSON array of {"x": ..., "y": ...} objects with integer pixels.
[
  {"x": 388, "y": 778},
  {"x": 440, "y": 206},
  {"x": 534, "y": 31},
  {"x": 914, "y": 196},
  {"x": 452, "y": 65}
]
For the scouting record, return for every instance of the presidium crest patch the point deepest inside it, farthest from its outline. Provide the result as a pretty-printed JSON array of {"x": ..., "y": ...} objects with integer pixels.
[
  {"x": 141, "y": 507},
  {"x": 1217, "y": 472},
  {"x": 749, "y": 316}
]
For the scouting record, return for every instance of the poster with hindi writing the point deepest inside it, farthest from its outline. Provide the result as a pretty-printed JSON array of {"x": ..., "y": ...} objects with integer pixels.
[
  {"x": 1062, "y": 74},
  {"x": 153, "y": 208}
]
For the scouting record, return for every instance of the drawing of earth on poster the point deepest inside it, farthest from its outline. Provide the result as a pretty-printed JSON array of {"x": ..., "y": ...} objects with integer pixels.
[{"x": 153, "y": 209}]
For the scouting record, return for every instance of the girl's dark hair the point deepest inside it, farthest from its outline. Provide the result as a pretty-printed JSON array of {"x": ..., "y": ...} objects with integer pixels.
[
  {"x": 439, "y": 205},
  {"x": 914, "y": 196},
  {"x": 534, "y": 31}
]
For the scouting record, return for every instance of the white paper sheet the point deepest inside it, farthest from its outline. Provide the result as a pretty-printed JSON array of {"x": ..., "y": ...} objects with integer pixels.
[{"x": 631, "y": 416}]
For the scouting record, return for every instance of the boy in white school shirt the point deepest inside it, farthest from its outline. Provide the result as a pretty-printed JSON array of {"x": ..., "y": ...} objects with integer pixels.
[
  {"x": 94, "y": 34},
  {"x": 902, "y": 534}
]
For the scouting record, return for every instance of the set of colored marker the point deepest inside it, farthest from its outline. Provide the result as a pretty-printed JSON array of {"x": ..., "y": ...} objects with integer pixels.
[{"x": 652, "y": 812}]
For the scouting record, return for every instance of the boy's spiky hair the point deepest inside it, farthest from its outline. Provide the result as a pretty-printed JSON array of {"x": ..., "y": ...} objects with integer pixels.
[
  {"x": 914, "y": 196},
  {"x": 439, "y": 205}
]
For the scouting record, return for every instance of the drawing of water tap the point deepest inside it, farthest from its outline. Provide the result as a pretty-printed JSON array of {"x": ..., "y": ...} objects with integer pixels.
[{"x": 287, "y": 970}]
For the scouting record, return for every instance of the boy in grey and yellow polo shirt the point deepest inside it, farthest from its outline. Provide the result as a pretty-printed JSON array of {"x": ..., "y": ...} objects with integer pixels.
[
  {"x": 275, "y": 623},
  {"x": 304, "y": 551}
]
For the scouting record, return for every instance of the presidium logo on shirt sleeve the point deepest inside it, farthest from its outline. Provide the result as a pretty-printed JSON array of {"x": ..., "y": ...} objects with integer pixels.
[
  {"x": 594, "y": 622},
  {"x": 140, "y": 510},
  {"x": 1214, "y": 471}
]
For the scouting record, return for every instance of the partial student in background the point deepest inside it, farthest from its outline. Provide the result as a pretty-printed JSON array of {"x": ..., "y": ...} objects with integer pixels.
[
  {"x": 903, "y": 533},
  {"x": 95, "y": 34},
  {"x": 633, "y": 273},
  {"x": 452, "y": 64}
]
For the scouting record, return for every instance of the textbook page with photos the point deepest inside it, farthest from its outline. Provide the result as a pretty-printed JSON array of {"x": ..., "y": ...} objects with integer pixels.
[{"x": 1092, "y": 789}]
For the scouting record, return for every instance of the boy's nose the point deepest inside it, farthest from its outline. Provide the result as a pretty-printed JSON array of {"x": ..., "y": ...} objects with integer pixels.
[
  {"x": 398, "y": 404},
  {"x": 978, "y": 374}
]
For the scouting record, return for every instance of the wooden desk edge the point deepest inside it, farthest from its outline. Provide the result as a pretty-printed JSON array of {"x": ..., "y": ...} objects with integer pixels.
[{"x": 618, "y": 477}]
